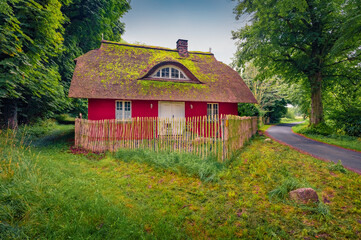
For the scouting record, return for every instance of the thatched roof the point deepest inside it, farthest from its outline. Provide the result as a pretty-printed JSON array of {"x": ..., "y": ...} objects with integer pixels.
[{"x": 122, "y": 71}]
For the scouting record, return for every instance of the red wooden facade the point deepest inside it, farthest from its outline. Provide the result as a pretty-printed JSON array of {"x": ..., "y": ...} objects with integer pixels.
[{"x": 99, "y": 109}]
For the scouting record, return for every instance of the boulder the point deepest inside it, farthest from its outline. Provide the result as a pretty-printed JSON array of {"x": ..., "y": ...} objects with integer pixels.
[{"x": 304, "y": 195}]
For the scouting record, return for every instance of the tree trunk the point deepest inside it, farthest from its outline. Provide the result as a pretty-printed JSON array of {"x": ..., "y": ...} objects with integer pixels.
[
  {"x": 11, "y": 113},
  {"x": 316, "y": 99}
]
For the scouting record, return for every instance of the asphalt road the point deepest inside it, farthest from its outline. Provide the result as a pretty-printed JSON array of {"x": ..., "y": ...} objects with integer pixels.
[{"x": 283, "y": 133}]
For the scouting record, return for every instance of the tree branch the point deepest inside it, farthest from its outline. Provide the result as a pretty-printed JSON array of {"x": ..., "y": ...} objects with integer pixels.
[
  {"x": 293, "y": 46},
  {"x": 343, "y": 76},
  {"x": 345, "y": 60}
]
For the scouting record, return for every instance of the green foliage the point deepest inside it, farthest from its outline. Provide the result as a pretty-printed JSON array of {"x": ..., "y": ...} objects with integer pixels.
[
  {"x": 39, "y": 42},
  {"x": 290, "y": 114},
  {"x": 348, "y": 121},
  {"x": 320, "y": 129},
  {"x": 86, "y": 22},
  {"x": 31, "y": 33},
  {"x": 248, "y": 109},
  {"x": 276, "y": 110},
  {"x": 267, "y": 91},
  {"x": 336, "y": 139},
  {"x": 37, "y": 129},
  {"x": 311, "y": 43},
  {"x": 188, "y": 164}
]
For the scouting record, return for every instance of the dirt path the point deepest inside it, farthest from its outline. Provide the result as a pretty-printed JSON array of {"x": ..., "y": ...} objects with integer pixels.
[{"x": 283, "y": 133}]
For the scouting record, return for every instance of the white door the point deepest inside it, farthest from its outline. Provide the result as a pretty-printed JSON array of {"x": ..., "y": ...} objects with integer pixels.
[{"x": 171, "y": 118}]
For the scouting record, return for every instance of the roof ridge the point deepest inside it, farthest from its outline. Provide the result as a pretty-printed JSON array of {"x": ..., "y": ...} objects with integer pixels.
[{"x": 153, "y": 47}]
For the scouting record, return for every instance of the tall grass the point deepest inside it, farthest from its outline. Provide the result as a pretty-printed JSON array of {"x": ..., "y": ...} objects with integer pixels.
[
  {"x": 280, "y": 193},
  {"x": 40, "y": 199},
  {"x": 206, "y": 169},
  {"x": 48, "y": 193},
  {"x": 288, "y": 184}
]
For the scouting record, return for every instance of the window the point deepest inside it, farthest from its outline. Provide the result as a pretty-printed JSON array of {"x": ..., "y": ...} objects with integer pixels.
[
  {"x": 123, "y": 110},
  {"x": 170, "y": 72},
  {"x": 212, "y": 111}
]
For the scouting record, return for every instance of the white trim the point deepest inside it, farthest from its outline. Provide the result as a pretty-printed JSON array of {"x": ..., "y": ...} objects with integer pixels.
[
  {"x": 212, "y": 110},
  {"x": 170, "y": 73},
  {"x": 123, "y": 110},
  {"x": 171, "y": 120}
]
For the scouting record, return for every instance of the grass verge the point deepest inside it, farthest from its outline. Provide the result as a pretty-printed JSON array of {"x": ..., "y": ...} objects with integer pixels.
[
  {"x": 47, "y": 192},
  {"x": 264, "y": 127},
  {"x": 291, "y": 120},
  {"x": 348, "y": 142},
  {"x": 182, "y": 163}
]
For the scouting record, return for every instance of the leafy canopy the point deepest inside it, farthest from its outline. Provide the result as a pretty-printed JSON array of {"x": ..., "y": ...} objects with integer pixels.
[
  {"x": 30, "y": 33},
  {"x": 312, "y": 42},
  {"x": 39, "y": 40}
]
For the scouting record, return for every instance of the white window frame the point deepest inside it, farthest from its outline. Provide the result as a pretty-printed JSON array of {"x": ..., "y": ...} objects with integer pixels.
[
  {"x": 154, "y": 75},
  {"x": 123, "y": 110},
  {"x": 213, "y": 116}
]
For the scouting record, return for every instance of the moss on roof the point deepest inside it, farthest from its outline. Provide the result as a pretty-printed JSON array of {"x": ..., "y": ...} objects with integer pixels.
[{"x": 114, "y": 71}]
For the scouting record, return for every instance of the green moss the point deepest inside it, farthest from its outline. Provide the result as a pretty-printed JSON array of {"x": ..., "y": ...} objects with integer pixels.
[
  {"x": 172, "y": 89},
  {"x": 137, "y": 69}
]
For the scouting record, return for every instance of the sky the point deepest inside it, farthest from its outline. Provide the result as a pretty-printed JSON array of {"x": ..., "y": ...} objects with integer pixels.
[{"x": 204, "y": 23}]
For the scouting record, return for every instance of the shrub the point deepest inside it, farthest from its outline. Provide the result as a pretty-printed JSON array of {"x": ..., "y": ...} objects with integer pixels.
[
  {"x": 37, "y": 129},
  {"x": 248, "y": 109},
  {"x": 348, "y": 121},
  {"x": 320, "y": 129},
  {"x": 276, "y": 110}
]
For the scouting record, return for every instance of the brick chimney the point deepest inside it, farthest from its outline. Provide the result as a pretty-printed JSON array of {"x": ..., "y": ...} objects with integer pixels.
[{"x": 182, "y": 47}]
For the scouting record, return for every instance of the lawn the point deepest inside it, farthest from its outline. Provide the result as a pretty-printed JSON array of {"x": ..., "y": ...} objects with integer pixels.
[
  {"x": 335, "y": 139},
  {"x": 48, "y": 192}
]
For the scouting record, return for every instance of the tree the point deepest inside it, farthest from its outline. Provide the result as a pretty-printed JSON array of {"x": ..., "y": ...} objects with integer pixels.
[
  {"x": 312, "y": 42},
  {"x": 88, "y": 21},
  {"x": 30, "y": 34},
  {"x": 268, "y": 91},
  {"x": 39, "y": 40}
]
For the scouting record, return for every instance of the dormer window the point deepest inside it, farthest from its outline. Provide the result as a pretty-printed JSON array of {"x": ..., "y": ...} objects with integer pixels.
[{"x": 170, "y": 72}]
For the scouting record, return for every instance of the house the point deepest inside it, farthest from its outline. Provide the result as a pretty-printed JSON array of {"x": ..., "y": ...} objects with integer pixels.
[{"x": 124, "y": 81}]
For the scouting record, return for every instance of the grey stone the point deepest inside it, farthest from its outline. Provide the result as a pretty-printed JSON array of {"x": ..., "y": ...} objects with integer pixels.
[{"x": 304, "y": 195}]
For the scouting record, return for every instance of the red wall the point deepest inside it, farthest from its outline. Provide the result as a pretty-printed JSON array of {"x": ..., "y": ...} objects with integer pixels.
[
  {"x": 101, "y": 109},
  {"x": 200, "y": 109},
  {"x": 228, "y": 108},
  {"x": 144, "y": 108},
  {"x": 105, "y": 109}
]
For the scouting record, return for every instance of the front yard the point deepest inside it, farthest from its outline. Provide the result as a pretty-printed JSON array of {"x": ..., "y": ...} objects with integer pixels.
[{"x": 47, "y": 191}]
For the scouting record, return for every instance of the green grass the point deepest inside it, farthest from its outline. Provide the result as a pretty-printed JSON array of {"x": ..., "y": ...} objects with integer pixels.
[
  {"x": 264, "y": 127},
  {"x": 339, "y": 140},
  {"x": 46, "y": 192},
  {"x": 291, "y": 120},
  {"x": 182, "y": 163}
]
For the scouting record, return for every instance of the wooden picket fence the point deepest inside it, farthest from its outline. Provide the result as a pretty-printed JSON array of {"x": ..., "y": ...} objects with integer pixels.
[{"x": 220, "y": 136}]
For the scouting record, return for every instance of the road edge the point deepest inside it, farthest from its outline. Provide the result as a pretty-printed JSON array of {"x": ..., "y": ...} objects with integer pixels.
[
  {"x": 307, "y": 153},
  {"x": 299, "y": 134}
]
